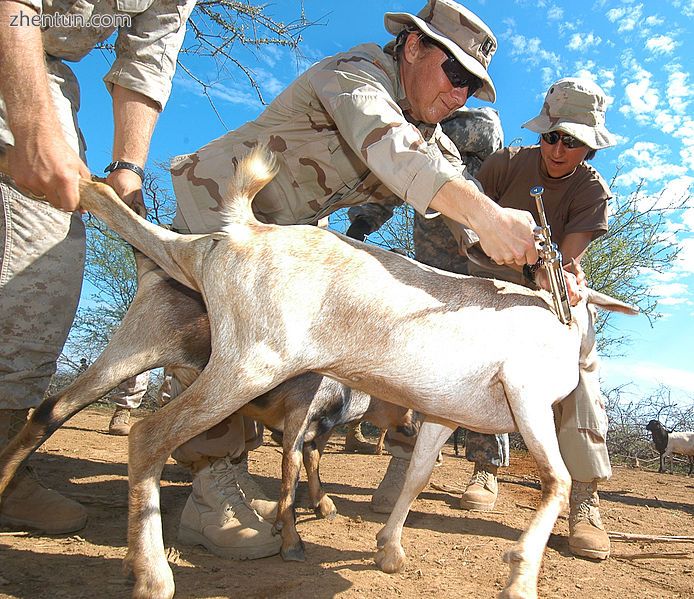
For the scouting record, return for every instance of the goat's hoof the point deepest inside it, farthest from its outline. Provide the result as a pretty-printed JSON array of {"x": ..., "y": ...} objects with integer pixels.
[
  {"x": 390, "y": 558},
  {"x": 326, "y": 509},
  {"x": 294, "y": 553},
  {"x": 518, "y": 592},
  {"x": 150, "y": 587}
]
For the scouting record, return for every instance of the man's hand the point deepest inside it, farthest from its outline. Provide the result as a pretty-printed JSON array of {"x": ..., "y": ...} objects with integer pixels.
[
  {"x": 506, "y": 235},
  {"x": 128, "y": 186},
  {"x": 43, "y": 164}
]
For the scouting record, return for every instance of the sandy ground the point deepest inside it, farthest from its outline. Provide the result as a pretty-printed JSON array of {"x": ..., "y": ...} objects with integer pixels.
[{"x": 451, "y": 553}]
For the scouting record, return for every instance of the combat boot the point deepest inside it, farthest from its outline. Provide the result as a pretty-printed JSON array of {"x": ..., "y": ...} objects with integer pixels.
[
  {"x": 218, "y": 516},
  {"x": 26, "y": 504},
  {"x": 255, "y": 496},
  {"x": 387, "y": 493},
  {"x": 587, "y": 535},
  {"x": 482, "y": 490},
  {"x": 355, "y": 441},
  {"x": 120, "y": 422}
]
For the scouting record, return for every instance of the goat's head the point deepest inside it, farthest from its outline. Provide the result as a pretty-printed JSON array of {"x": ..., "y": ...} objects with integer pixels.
[{"x": 655, "y": 426}]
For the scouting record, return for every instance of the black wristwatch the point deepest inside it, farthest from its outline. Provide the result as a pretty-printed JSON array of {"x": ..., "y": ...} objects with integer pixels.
[{"x": 118, "y": 164}]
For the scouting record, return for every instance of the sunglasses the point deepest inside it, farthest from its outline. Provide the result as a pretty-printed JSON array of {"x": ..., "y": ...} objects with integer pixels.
[
  {"x": 569, "y": 141},
  {"x": 456, "y": 73}
]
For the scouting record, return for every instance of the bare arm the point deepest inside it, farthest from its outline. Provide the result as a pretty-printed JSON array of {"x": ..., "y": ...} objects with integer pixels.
[
  {"x": 41, "y": 161},
  {"x": 134, "y": 118},
  {"x": 506, "y": 234}
]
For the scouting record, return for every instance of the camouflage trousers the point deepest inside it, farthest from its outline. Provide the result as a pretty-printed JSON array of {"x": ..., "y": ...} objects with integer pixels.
[
  {"x": 130, "y": 392},
  {"x": 41, "y": 268}
]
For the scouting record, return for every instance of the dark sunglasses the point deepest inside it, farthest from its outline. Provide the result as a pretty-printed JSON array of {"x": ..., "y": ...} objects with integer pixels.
[
  {"x": 456, "y": 73},
  {"x": 460, "y": 77},
  {"x": 569, "y": 141}
]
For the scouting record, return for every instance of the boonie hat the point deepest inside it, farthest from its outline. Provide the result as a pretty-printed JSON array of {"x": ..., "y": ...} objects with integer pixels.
[
  {"x": 466, "y": 36},
  {"x": 576, "y": 107}
]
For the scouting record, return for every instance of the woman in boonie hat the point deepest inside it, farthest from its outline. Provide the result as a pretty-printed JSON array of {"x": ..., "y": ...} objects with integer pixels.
[{"x": 572, "y": 128}]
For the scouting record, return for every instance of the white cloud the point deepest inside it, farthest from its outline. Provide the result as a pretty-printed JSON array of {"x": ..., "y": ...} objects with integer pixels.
[
  {"x": 584, "y": 41},
  {"x": 685, "y": 259},
  {"x": 647, "y": 374},
  {"x": 678, "y": 91},
  {"x": 670, "y": 294},
  {"x": 653, "y": 20},
  {"x": 660, "y": 44},
  {"x": 641, "y": 98},
  {"x": 555, "y": 13},
  {"x": 218, "y": 91},
  {"x": 627, "y": 16},
  {"x": 530, "y": 51}
]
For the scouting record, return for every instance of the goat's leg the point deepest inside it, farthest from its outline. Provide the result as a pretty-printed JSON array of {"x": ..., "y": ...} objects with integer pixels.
[
  {"x": 390, "y": 556},
  {"x": 381, "y": 442},
  {"x": 130, "y": 352},
  {"x": 661, "y": 469},
  {"x": 293, "y": 444},
  {"x": 151, "y": 441},
  {"x": 525, "y": 557},
  {"x": 321, "y": 503}
]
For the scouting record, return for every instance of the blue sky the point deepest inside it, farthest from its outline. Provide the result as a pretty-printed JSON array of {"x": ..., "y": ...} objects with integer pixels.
[{"x": 641, "y": 53}]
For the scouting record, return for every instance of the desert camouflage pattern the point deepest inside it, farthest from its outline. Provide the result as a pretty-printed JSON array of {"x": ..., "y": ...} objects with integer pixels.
[
  {"x": 340, "y": 137},
  {"x": 40, "y": 280},
  {"x": 145, "y": 53},
  {"x": 42, "y": 251}
]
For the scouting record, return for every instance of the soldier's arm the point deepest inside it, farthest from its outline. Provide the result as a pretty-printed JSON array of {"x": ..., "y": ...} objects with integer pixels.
[{"x": 41, "y": 160}]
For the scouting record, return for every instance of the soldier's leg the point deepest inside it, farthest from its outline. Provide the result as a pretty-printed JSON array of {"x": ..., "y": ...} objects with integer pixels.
[
  {"x": 42, "y": 258},
  {"x": 128, "y": 396},
  {"x": 226, "y": 511},
  {"x": 488, "y": 452},
  {"x": 582, "y": 432}
]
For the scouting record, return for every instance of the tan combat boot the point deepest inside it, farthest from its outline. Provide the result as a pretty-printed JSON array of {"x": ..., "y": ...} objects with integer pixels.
[
  {"x": 587, "y": 536},
  {"x": 355, "y": 441},
  {"x": 482, "y": 490},
  {"x": 26, "y": 504},
  {"x": 255, "y": 496},
  {"x": 218, "y": 517},
  {"x": 120, "y": 422},
  {"x": 387, "y": 493}
]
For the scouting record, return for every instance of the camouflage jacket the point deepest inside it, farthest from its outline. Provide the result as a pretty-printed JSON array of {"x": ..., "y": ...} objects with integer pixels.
[
  {"x": 341, "y": 138},
  {"x": 146, "y": 51}
]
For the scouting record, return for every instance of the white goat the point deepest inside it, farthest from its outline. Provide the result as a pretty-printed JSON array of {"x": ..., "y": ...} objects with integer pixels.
[
  {"x": 666, "y": 443},
  {"x": 285, "y": 300}
]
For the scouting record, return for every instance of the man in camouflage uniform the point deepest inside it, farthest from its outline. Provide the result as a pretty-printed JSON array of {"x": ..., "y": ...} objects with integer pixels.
[
  {"x": 43, "y": 244},
  {"x": 358, "y": 127}
]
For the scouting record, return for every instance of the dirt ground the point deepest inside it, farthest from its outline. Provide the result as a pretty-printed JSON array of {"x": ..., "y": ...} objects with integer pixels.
[{"x": 451, "y": 553}]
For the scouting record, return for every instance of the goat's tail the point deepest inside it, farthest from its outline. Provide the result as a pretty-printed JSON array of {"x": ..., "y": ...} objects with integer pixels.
[
  {"x": 168, "y": 249},
  {"x": 253, "y": 173},
  {"x": 608, "y": 302}
]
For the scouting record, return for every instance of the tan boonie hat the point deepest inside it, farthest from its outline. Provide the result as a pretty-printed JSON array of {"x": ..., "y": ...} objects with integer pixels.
[
  {"x": 467, "y": 37},
  {"x": 576, "y": 107}
]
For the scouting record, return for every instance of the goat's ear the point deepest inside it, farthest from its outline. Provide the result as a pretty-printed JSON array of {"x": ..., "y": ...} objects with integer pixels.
[{"x": 610, "y": 303}]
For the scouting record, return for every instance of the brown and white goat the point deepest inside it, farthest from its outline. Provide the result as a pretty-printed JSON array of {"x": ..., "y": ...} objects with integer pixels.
[{"x": 285, "y": 300}]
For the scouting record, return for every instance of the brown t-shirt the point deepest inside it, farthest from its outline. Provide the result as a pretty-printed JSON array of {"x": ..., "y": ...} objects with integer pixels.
[{"x": 573, "y": 204}]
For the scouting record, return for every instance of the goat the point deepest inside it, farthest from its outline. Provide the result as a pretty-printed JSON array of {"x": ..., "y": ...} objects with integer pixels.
[
  {"x": 285, "y": 300},
  {"x": 666, "y": 443},
  {"x": 167, "y": 325}
]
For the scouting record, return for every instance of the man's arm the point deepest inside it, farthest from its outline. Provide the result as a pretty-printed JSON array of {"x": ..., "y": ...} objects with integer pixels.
[
  {"x": 134, "y": 118},
  {"x": 41, "y": 160},
  {"x": 505, "y": 233}
]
